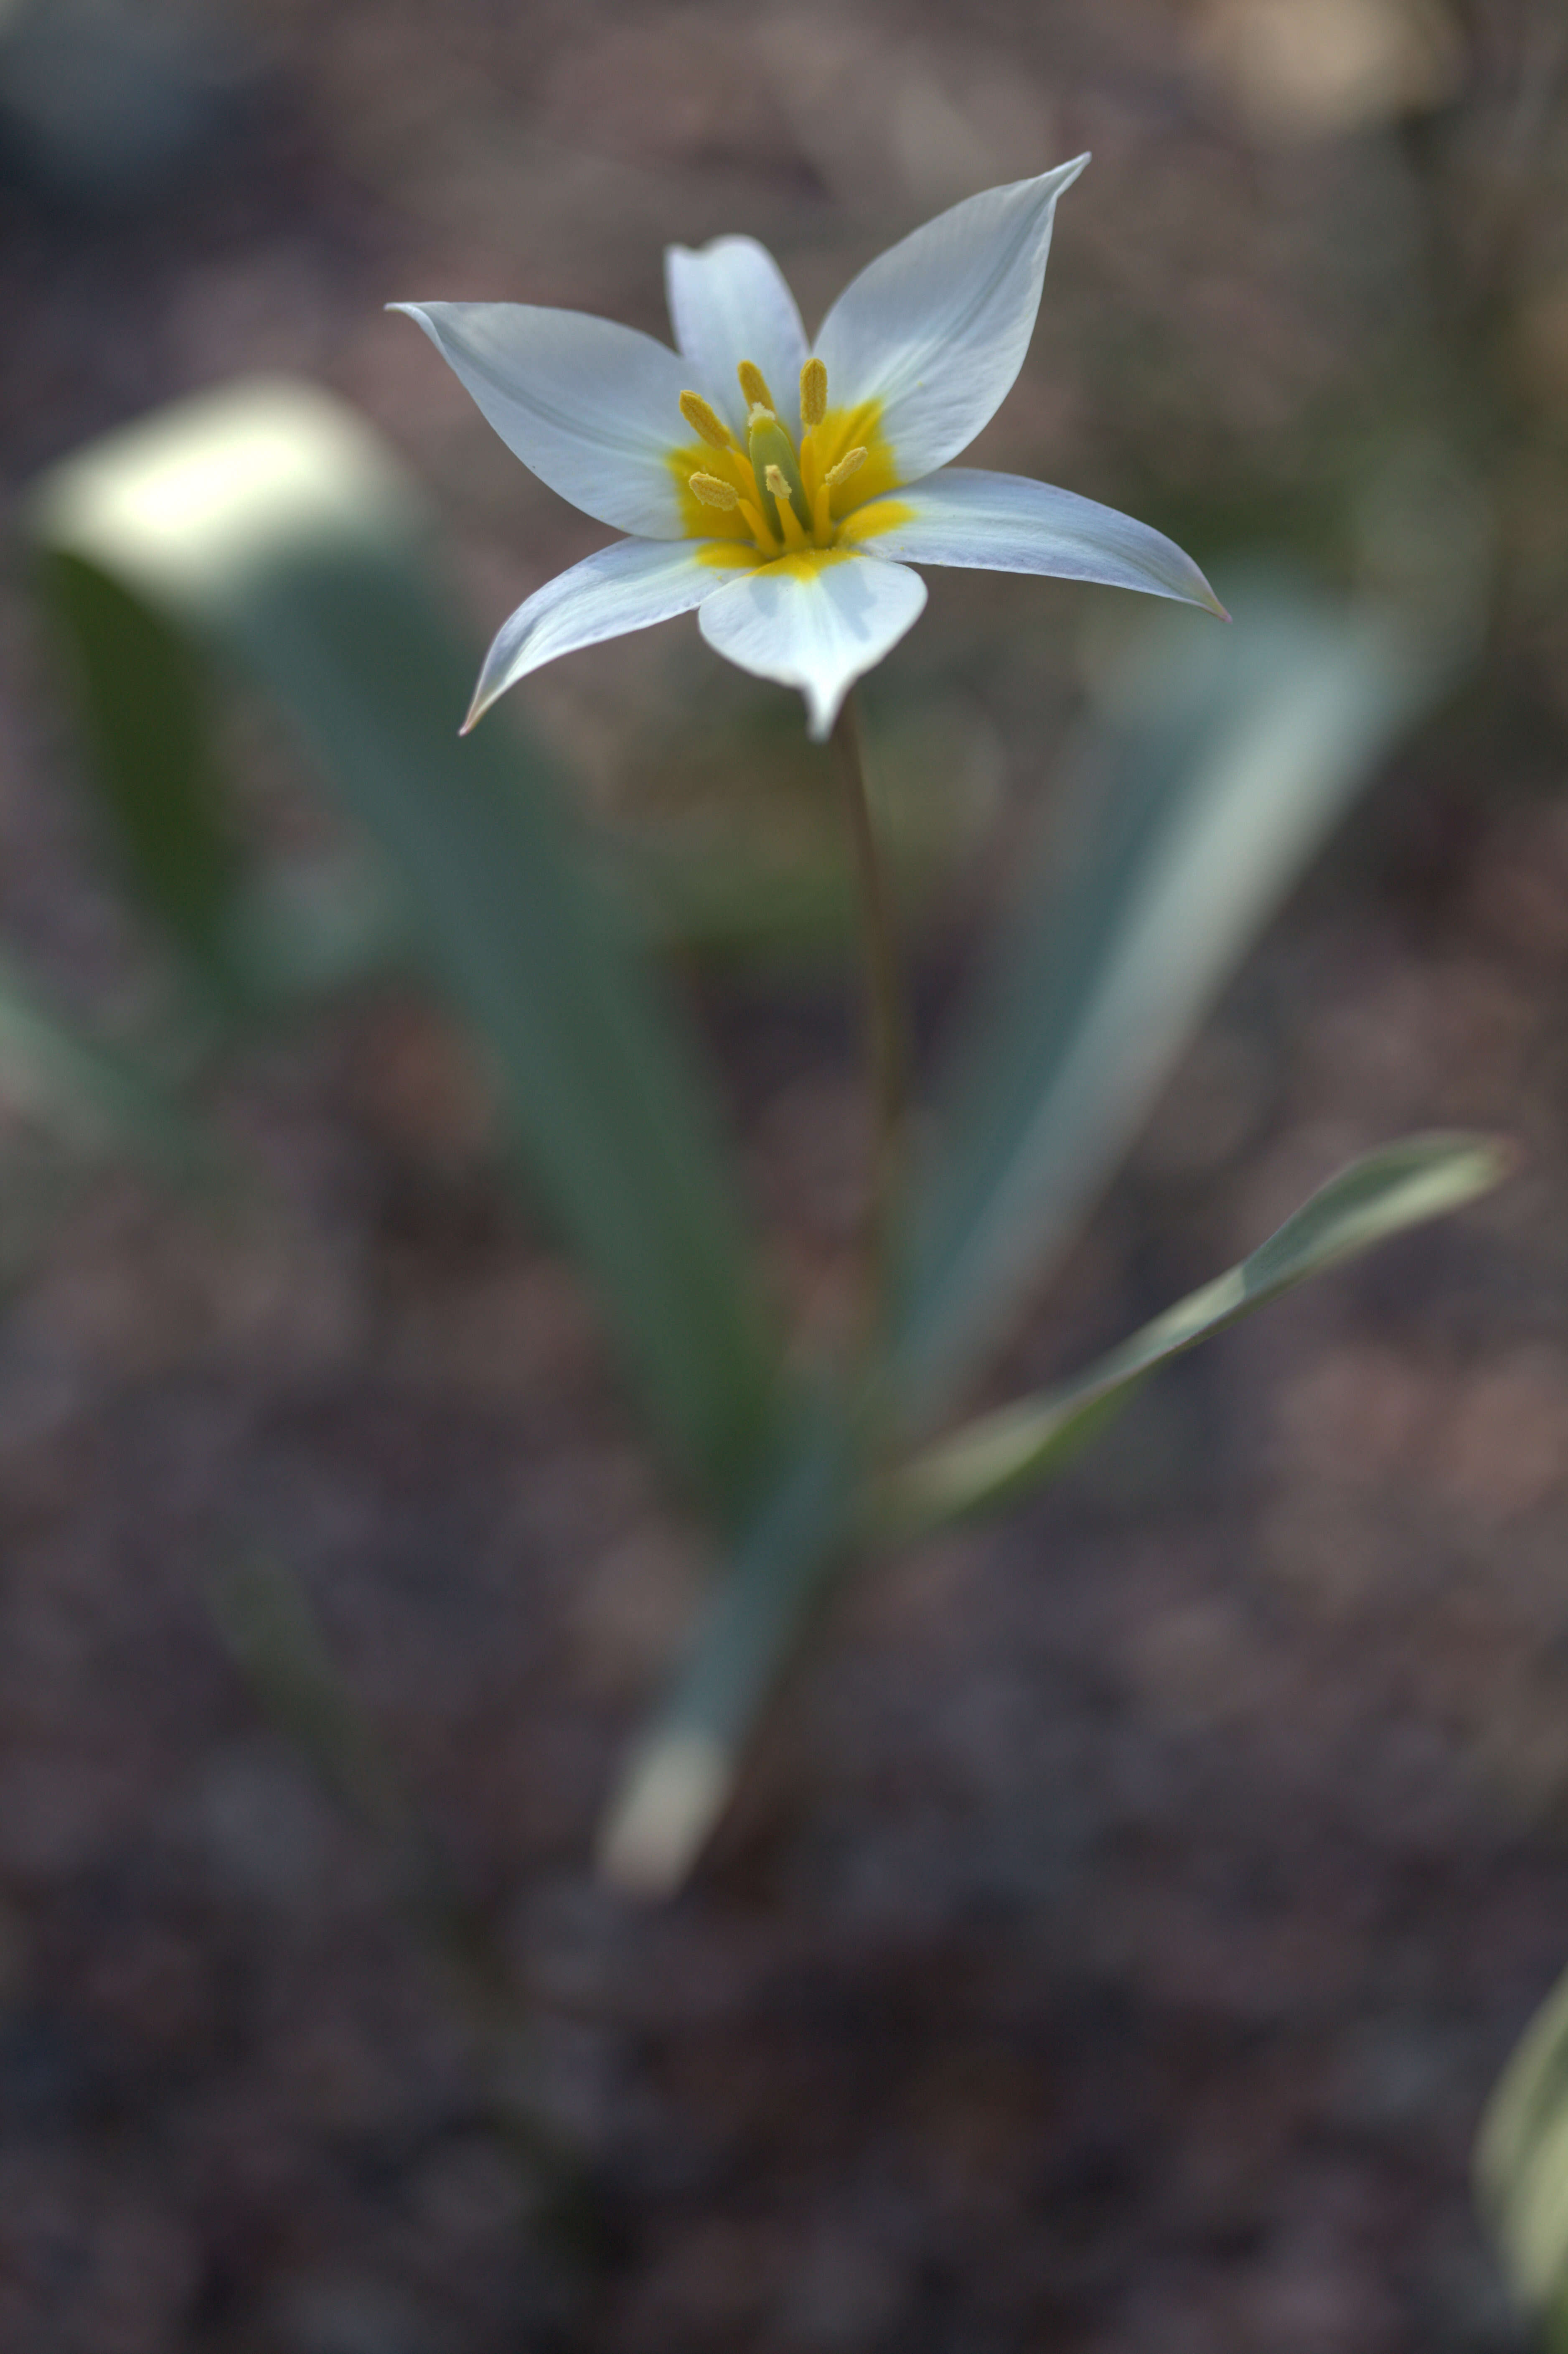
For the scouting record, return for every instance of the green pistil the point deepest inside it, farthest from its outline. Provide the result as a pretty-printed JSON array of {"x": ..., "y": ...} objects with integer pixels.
[{"x": 769, "y": 445}]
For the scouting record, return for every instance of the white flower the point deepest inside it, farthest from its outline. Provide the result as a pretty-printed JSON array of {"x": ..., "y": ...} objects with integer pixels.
[{"x": 784, "y": 489}]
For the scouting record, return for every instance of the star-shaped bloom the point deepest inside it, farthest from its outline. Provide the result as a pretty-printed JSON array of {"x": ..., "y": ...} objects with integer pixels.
[{"x": 784, "y": 488}]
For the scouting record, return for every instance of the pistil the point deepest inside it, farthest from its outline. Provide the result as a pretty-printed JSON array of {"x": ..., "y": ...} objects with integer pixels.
[
  {"x": 784, "y": 507},
  {"x": 773, "y": 455}
]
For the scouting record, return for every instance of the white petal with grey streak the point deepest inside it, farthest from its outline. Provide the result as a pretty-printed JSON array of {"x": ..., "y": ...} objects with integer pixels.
[
  {"x": 627, "y": 587},
  {"x": 1005, "y": 523},
  {"x": 728, "y": 302},
  {"x": 590, "y": 407},
  {"x": 817, "y": 623},
  {"x": 935, "y": 328}
]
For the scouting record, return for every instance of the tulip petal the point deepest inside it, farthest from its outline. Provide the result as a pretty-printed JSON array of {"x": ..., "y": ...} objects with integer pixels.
[
  {"x": 728, "y": 302},
  {"x": 625, "y": 586},
  {"x": 933, "y": 331},
  {"x": 815, "y": 621},
  {"x": 1005, "y": 522},
  {"x": 590, "y": 407}
]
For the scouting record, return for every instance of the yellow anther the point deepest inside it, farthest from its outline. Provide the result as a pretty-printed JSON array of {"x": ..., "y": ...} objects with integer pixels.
[
  {"x": 850, "y": 463},
  {"x": 705, "y": 422},
  {"x": 754, "y": 384},
  {"x": 715, "y": 493},
  {"x": 813, "y": 393}
]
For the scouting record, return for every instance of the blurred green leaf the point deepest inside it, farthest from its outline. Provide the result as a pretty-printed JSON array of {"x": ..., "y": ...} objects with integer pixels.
[
  {"x": 276, "y": 1640},
  {"x": 141, "y": 701},
  {"x": 1005, "y": 1454},
  {"x": 683, "y": 1769},
  {"x": 1224, "y": 760},
  {"x": 266, "y": 523},
  {"x": 1522, "y": 2168},
  {"x": 310, "y": 929},
  {"x": 93, "y": 1095}
]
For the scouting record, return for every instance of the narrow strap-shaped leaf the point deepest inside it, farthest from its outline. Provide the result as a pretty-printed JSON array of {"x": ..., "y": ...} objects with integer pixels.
[
  {"x": 141, "y": 697},
  {"x": 265, "y": 523},
  {"x": 1246, "y": 746},
  {"x": 684, "y": 1770},
  {"x": 1232, "y": 754},
  {"x": 1005, "y": 1454},
  {"x": 1522, "y": 2167},
  {"x": 680, "y": 1777}
]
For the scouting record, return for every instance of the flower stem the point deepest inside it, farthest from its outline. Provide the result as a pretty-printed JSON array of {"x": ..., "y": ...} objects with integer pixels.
[{"x": 886, "y": 1032}]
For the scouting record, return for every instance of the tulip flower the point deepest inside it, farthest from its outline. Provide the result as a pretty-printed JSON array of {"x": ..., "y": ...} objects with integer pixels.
[{"x": 784, "y": 489}]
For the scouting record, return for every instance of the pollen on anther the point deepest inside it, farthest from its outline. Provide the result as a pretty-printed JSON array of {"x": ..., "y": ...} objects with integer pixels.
[
  {"x": 813, "y": 393},
  {"x": 715, "y": 493},
  {"x": 705, "y": 422},
  {"x": 850, "y": 463},
  {"x": 754, "y": 385}
]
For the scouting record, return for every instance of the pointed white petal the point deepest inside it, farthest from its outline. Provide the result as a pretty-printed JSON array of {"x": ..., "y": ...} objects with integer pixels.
[
  {"x": 728, "y": 304},
  {"x": 814, "y": 621},
  {"x": 628, "y": 587},
  {"x": 592, "y": 408},
  {"x": 1005, "y": 522},
  {"x": 935, "y": 329}
]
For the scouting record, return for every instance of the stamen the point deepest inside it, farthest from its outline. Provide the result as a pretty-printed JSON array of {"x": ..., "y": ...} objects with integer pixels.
[
  {"x": 813, "y": 393},
  {"x": 752, "y": 516},
  {"x": 715, "y": 493},
  {"x": 754, "y": 384},
  {"x": 850, "y": 463},
  {"x": 705, "y": 422}
]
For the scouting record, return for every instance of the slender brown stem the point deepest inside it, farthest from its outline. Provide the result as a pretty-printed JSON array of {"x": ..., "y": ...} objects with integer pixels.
[{"x": 886, "y": 1034}]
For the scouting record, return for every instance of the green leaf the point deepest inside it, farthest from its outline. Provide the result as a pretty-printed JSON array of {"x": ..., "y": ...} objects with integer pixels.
[
  {"x": 141, "y": 701},
  {"x": 1522, "y": 2167},
  {"x": 684, "y": 1770},
  {"x": 1004, "y": 1455},
  {"x": 94, "y": 1096},
  {"x": 680, "y": 1777},
  {"x": 1231, "y": 752},
  {"x": 265, "y": 524}
]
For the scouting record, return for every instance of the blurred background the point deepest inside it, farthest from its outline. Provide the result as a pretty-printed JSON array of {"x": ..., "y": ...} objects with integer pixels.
[{"x": 1130, "y": 1908}]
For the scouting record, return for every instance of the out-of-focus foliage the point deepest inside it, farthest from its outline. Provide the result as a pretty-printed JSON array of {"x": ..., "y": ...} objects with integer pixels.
[
  {"x": 95, "y": 1097},
  {"x": 993, "y": 1461},
  {"x": 266, "y": 523},
  {"x": 1521, "y": 2169},
  {"x": 1218, "y": 764},
  {"x": 1315, "y": 305},
  {"x": 264, "y": 527},
  {"x": 1194, "y": 805}
]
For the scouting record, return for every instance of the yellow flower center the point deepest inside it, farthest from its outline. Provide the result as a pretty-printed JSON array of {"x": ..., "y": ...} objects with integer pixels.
[{"x": 783, "y": 496}]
